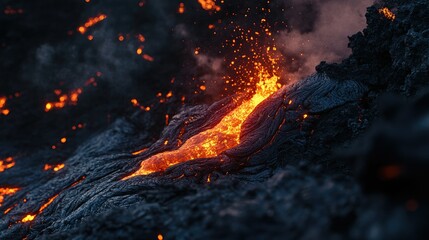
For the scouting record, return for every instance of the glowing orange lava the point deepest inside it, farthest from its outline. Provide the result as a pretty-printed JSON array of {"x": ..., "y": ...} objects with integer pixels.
[
  {"x": 6, "y": 191},
  {"x": 31, "y": 216},
  {"x": 387, "y": 13},
  {"x": 6, "y": 164},
  {"x": 211, "y": 143},
  {"x": 55, "y": 168},
  {"x": 28, "y": 218}
]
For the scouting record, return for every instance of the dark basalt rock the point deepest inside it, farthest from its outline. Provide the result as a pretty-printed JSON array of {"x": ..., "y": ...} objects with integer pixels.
[{"x": 289, "y": 178}]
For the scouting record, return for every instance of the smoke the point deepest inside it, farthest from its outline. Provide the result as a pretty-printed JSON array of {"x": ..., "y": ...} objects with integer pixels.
[
  {"x": 318, "y": 31},
  {"x": 212, "y": 68}
]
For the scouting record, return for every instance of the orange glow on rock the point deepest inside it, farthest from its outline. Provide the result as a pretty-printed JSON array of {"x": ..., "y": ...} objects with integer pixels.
[
  {"x": 139, "y": 151},
  {"x": 167, "y": 119},
  {"x": 387, "y": 13},
  {"x": 32, "y": 216},
  {"x": 55, "y": 168},
  {"x": 8, "y": 210},
  {"x": 50, "y": 200},
  {"x": 28, "y": 218},
  {"x": 6, "y": 164},
  {"x": 5, "y": 192}
]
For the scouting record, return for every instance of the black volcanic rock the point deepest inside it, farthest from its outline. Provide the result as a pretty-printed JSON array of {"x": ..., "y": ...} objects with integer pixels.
[{"x": 292, "y": 177}]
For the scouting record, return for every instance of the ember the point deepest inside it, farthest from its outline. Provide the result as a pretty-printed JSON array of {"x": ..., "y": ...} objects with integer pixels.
[
  {"x": 64, "y": 100},
  {"x": 3, "y": 109},
  {"x": 387, "y": 13},
  {"x": 91, "y": 22},
  {"x": 212, "y": 142},
  {"x": 55, "y": 168},
  {"x": 30, "y": 217}
]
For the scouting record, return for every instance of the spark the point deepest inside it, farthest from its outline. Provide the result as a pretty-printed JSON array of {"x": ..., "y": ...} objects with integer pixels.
[
  {"x": 181, "y": 9},
  {"x": 55, "y": 168},
  {"x": 91, "y": 22}
]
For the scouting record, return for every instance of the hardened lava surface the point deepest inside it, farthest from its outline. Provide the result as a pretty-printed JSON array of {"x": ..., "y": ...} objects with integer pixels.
[{"x": 341, "y": 154}]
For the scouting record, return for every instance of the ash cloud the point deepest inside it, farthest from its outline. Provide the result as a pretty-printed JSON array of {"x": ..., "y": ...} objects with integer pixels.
[{"x": 318, "y": 31}]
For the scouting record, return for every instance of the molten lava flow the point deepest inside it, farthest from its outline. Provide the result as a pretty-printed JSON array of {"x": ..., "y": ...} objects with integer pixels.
[
  {"x": 387, "y": 13},
  {"x": 148, "y": 58},
  {"x": 136, "y": 103},
  {"x": 181, "y": 9},
  {"x": 6, "y": 191},
  {"x": 30, "y": 217},
  {"x": 211, "y": 143},
  {"x": 6, "y": 164}
]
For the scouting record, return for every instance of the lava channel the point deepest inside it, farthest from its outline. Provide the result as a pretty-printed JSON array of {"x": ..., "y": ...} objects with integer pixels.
[{"x": 210, "y": 143}]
